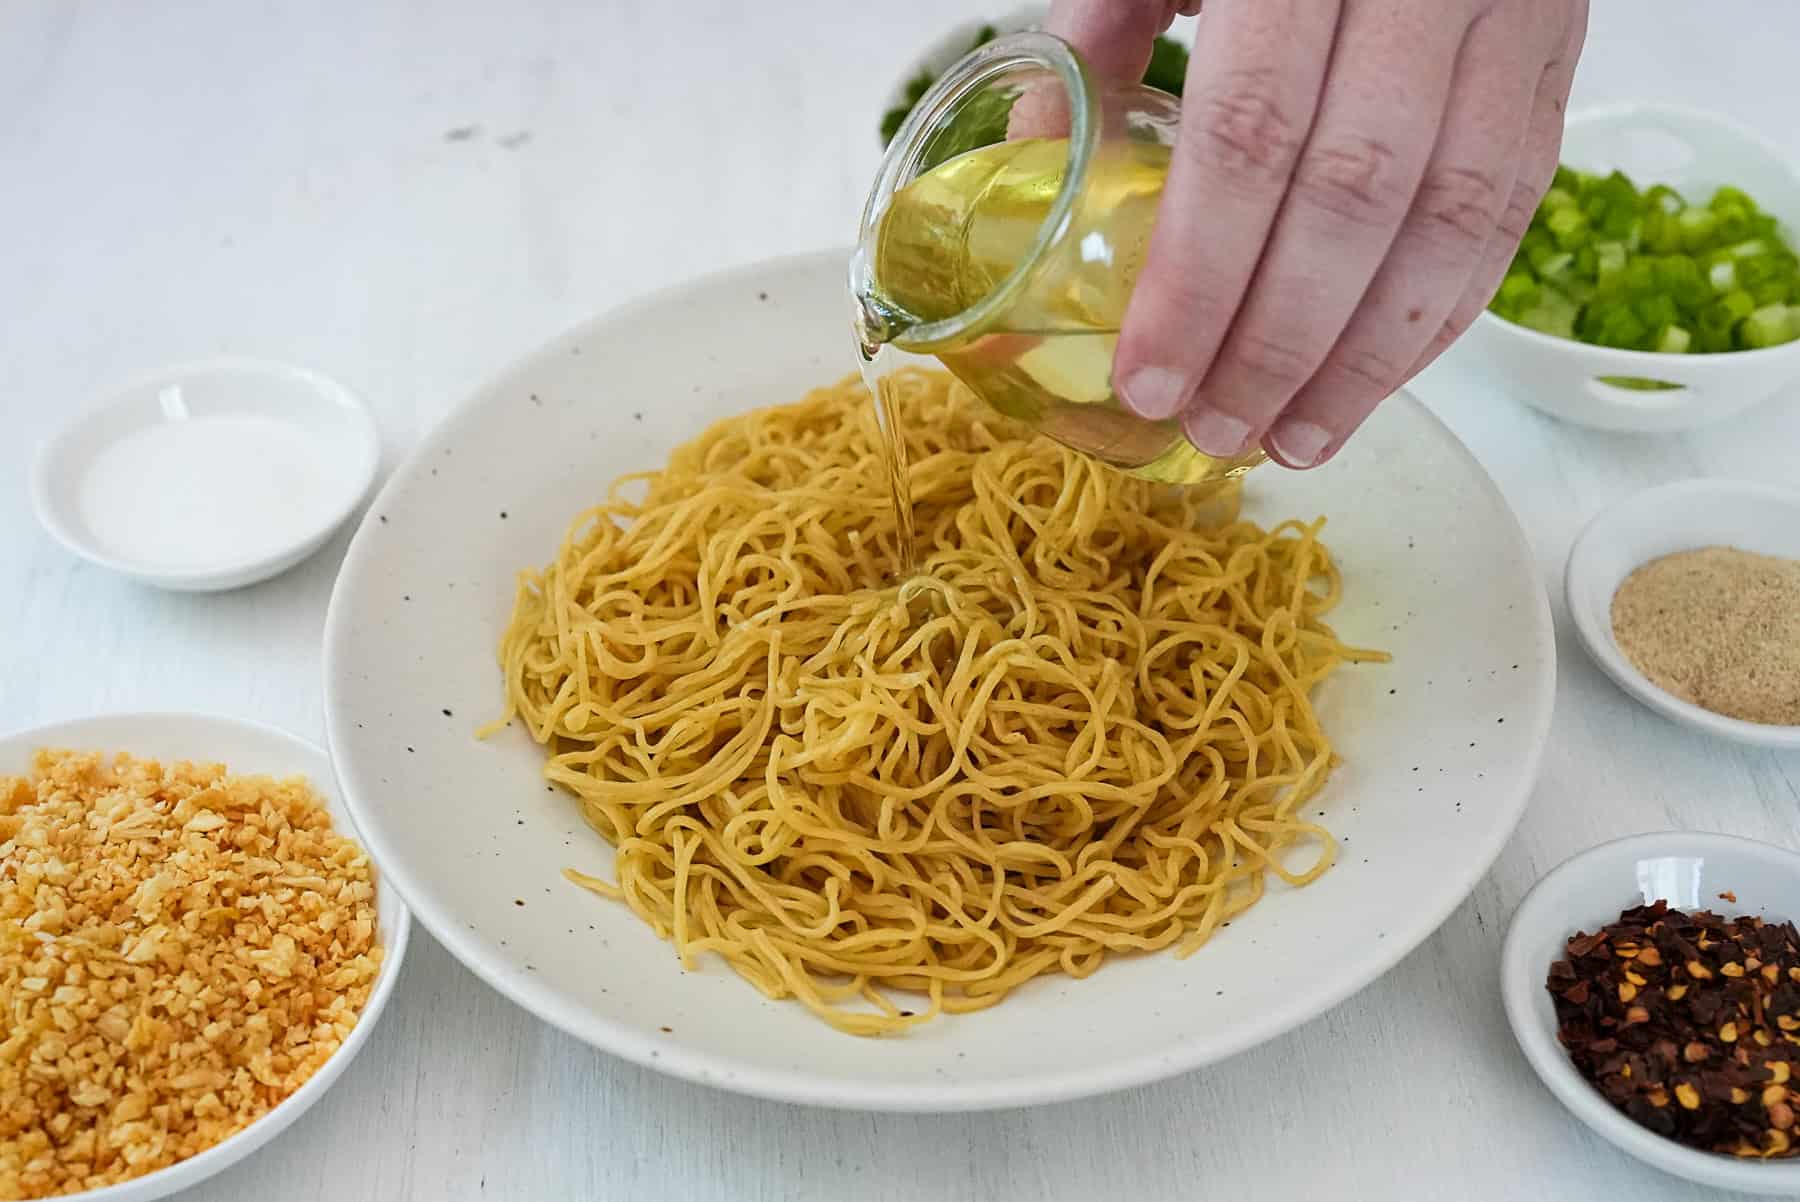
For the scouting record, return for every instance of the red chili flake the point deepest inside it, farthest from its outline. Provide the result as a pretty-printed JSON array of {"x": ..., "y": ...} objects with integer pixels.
[{"x": 1690, "y": 1024}]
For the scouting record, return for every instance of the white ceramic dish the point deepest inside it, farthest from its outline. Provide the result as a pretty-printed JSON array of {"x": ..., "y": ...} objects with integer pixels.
[
  {"x": 245, "y": 747},
  {"x": 1683, "y": 516},
  {"x": 209, "y": 475},
  {"x": 1439, "y": 748},
  {"x": 1694, "y": 152},
  {"x": 1689, "y": 871}
]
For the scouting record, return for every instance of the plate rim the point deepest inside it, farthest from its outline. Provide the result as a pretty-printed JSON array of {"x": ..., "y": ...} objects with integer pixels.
[
  {"x": 806, "y": 1088},
  {"x": 248, "y": 1140}
]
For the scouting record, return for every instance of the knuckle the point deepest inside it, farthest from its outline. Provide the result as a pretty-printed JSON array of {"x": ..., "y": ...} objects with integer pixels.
[
  {"x": 1461, "y": 318},
  {"x": 1243, "y": 128},
  {"x": 1367, "y": 367},
  {"x": 1461, "y": 202},
  {"x": 1275, "y": 361},
  {"x": 1535, "y": 182},
  {"x": 1515, "y": 218},
  {"x": 1539, "y": 168},
  {"x": 1353, "y": 178},
  {"x": 1184, "y": 304},
  {"x": 1440, "y": 342}
]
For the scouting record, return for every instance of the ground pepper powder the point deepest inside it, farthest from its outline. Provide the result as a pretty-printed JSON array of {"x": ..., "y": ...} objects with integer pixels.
[
  {"x": 1717, "y": 627},
  {"x": 1690, "y": 1024}
]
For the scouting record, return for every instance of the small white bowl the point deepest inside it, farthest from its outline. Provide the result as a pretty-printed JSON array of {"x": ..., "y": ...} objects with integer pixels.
[
  {"x": 1683, "y": 516},
  {"x": 209, "y": 475},
  {"x": 1689, "y": 871},
  {"x": 246, "y": 748},
  {"x": 1694, "y": 152}
]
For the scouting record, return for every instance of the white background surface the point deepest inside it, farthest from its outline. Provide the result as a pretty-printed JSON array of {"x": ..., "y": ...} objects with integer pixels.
[{"x": 276, "y": 179}]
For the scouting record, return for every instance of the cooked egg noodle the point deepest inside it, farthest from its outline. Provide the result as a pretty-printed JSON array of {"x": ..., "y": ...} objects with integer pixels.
[{"x": 1084, "y": 728}]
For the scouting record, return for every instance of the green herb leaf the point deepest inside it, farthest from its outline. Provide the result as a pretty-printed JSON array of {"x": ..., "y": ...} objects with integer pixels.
[{"x": 1166, "y": 72}]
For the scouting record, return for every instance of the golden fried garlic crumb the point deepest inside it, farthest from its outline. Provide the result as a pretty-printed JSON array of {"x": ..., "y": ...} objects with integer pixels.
[{"x": 180, "y": 949}]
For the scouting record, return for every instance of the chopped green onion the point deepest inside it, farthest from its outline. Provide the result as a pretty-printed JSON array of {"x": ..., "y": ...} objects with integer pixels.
[
  {"x": 1770, "y": 325},
  {"x": 1679, "y": 277},
  {"x": 1607, "y": 263},
  {"x": 1609, "y": 260},
  {"x": 1769, "y": 292},
  {"x": 1587, "y": 262},
  {"x": 1622, "y": 328},
  {"x": 1738, "y": 304},
  {"x": 1662, "y": 232},
  {"x": 1639, "y": 276},
  {"x": 1553, "y": 314},
  {"x": 1656, "y": 311},
  {"x": 1698, "y": 227},
  {"x": 1569, "y": 226},
  {"x": 1733, "y": 197},
  {"x": 1557, "y": 198},
  {"x": 1537, "y": 249},
  {"x": 1555, "y": 266},
  {"x": 1734, "y": 222},
  {"x": 1517, "y": 291}
]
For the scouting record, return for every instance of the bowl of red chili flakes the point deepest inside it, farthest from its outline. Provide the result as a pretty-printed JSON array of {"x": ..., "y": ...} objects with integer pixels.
[{"x": 1654, "y": 985}]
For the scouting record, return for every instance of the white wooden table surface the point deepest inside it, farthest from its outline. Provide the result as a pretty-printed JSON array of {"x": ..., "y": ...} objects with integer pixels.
[{"x": 406, "y": 196}]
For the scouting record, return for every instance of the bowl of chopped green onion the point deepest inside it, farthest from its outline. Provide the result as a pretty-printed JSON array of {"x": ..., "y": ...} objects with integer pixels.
[{"x": 1658, "y": 286}]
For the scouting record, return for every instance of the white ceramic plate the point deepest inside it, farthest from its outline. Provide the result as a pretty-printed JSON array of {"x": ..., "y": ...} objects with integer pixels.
[
  {"x": 1586, "y": 892},
  {"x": 1439, "y": 748},
  {"x": 134, "y": 482},
  {"x": 1660, "y": 521},
  {"x": 244, "y": 747}
]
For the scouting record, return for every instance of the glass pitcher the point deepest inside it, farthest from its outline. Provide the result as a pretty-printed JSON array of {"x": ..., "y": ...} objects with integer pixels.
[{"x": 1006, "y": 228}]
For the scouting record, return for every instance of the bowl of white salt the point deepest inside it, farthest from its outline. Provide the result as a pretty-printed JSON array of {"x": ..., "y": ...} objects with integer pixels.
[
  {"x": 1688, "y": 596},
  {"x": 208, "y": 476}
]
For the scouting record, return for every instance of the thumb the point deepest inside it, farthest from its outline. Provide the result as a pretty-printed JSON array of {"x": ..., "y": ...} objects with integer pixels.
[{"x": 1114, "y": 36}]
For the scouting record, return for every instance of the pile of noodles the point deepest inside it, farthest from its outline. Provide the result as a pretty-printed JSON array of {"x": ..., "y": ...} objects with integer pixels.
[{"x": 1084, "y": 728}]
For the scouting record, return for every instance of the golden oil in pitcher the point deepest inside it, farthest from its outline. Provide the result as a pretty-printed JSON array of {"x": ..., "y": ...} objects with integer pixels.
[{"x": 1012, "y": 260}]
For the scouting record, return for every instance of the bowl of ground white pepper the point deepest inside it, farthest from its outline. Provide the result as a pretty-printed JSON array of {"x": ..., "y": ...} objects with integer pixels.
[
  {"x": 1688, "y": 596},
  {"x": 1654, "y": 985}
]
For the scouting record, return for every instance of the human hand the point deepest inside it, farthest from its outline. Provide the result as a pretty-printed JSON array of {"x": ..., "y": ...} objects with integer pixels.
[{"x": 1349, "y": 183}]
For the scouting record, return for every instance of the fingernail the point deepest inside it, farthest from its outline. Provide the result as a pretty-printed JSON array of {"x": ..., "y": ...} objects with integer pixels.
[
  {"x": 1298, "y": 443},
  {"x": 1154, "y": 392},
  {"x": 1216, "y": 432}
]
